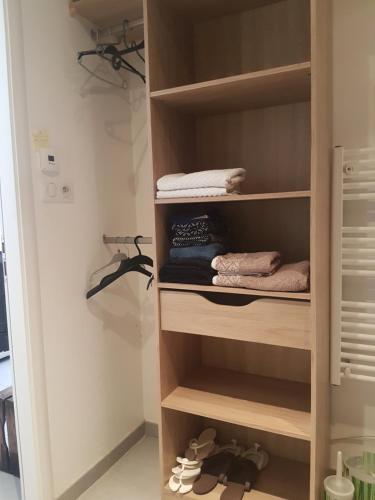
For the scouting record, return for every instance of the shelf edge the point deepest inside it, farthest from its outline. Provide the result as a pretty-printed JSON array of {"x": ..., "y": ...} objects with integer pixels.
[
  {"x": 254, "y": 75},
  {"x": 285, "y": 195}
]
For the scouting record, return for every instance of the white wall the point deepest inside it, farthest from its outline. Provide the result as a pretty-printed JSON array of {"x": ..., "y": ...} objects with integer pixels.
[
  {"x": 353, "y": 404},
  {"x": 93, "y": 350}
]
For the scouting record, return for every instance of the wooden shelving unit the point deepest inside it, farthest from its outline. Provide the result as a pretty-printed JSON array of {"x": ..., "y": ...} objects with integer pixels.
[
  {"x": 205, "y": 8},
  {"x": 259, "y": 89},
  {"x": 246, "y": 83},
  {"x": 272, "y": 405},
  {"x": 236, "y": 291},
  {"x": 234, "y": 198},
  {"x": 108, "y": 13},
  {"x": 283, "y": 479}
]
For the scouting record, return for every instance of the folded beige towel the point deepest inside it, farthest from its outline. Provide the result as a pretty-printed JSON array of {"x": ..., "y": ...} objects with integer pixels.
[
  {"x": 196, "y": 192},
  {"x": 257, "y": 263},
  {"x": 228, "y": 178},
  {"x": 289, "y": 278}
]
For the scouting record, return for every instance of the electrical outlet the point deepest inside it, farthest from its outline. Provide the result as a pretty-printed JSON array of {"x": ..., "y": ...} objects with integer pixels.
[
  {"x": 57, "y": 192},
  {"x": 66, "y": 191}
]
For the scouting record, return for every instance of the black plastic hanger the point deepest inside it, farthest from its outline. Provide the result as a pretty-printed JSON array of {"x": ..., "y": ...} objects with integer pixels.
[{"x": 134, "y": 264}]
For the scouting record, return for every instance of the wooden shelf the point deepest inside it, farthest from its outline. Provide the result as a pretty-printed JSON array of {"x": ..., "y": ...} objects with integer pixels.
[
  {"x": 237, "y": 291},
  {"x": 271, "y": 87},
  {"x": 282, "y": 479},
  {"x": 107, "y": 13},
  {"x": 235, "y": 198},
  {"x": 272, "y": 405},
  {"x": 207, "y": 9}
]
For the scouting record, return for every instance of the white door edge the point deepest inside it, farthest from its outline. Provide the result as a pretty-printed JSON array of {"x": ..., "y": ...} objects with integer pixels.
[{"x": 25, "y": 320}]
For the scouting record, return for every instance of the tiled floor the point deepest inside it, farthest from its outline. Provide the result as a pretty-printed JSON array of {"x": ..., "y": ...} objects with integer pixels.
[
  {"x": 10, "y": 488},
  {"x": 5, "y": 373},
  {"x": 134, "y": 477}
]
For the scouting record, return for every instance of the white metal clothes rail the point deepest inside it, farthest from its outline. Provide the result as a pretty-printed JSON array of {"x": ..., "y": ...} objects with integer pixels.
[{"x": 353, "y": 265}]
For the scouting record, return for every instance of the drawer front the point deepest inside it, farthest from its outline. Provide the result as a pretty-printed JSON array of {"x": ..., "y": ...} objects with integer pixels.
[{"x": 268, "y": 321}]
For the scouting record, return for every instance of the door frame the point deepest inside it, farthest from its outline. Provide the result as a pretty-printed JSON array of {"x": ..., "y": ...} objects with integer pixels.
[{"x": 23, "y": 287}]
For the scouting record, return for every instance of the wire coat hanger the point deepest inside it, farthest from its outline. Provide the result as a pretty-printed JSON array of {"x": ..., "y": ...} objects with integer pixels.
[
  {"x": 123, "y": 85},
  {"x": 116, "y": 58}
]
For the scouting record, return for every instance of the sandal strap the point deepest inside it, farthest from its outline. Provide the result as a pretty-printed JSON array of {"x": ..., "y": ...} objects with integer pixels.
[
  {"x": 232, "y": 447},
  {"x": 194, "y": 445}
]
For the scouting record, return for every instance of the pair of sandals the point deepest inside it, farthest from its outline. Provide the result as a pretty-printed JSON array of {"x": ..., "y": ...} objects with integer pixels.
[
  {"x": 189, "y": 468},
  {"x": 234, "y": 467},
  {"x": 184, "y": 475}
]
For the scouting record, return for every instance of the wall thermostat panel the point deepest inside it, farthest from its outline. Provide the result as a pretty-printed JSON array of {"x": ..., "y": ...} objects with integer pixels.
[{"x": 48, "y": 161}]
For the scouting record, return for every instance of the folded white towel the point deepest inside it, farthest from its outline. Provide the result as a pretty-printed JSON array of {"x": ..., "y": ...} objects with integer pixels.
[
  {"x": 226, "y": 178},
  {"x": 192, "y": 193}
]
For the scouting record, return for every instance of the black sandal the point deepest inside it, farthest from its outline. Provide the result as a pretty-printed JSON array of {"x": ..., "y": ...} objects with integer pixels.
[
  {"x": 214, "y": 470},
  {"x": 240, "y": 478}
]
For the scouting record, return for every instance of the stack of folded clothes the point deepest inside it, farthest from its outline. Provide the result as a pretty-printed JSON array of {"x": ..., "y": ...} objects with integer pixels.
[
  {"x": 260, "y": 271},
  {"x": 195, "y": 241},
  {"x": 204, "y": 183}
]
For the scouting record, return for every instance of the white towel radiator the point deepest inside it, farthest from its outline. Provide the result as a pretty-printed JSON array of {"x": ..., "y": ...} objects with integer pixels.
[{"x": 353, "y": 265}]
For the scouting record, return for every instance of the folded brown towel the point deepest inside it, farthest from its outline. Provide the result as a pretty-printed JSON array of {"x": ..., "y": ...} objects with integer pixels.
[
  {"x": 247, "y": 264},
  {"x": 289, "y": 278}
]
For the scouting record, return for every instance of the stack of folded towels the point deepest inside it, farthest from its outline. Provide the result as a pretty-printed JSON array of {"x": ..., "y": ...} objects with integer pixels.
[
  {"x": 205, "y": 183},
  {"x": 195, "y": 241},
  {"x": 260, "y": 271}
]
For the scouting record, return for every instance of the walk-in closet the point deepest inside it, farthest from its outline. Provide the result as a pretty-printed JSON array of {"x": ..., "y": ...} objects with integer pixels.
[{"x": 181, "y": 175}]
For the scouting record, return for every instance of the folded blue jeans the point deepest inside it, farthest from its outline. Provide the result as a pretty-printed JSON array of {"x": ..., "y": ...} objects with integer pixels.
[{"x": 206, "y": 252}]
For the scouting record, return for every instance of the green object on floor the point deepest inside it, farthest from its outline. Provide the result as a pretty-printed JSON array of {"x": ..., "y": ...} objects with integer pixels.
[
  {"x": 369, "y": 462},
  {"x": 357, "y": 469}
]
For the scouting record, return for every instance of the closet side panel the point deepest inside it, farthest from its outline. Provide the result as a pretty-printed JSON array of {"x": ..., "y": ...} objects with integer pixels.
[
  {"x": 157, "y": 218},
  {"x": 320, "y": 236}
]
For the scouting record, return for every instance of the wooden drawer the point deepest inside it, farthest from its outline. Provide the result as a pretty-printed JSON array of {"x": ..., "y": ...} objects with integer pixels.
[{"x": 267, "y": 321}]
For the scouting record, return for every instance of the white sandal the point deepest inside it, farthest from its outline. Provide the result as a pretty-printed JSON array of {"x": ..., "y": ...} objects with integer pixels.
[
  {"x": 257, "y": 455},
  {"x": 181, "y": 484},
  {"x": 231, "y": 447},
  {"x": 185, "y": 473},
  {"x": 186, "y": 486},
  {"x": 174, "y": 484},
  {"x": 189, "y": 463}
]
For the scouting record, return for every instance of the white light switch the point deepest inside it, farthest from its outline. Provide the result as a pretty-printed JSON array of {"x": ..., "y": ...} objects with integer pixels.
[{"x": 51, "y": 190}]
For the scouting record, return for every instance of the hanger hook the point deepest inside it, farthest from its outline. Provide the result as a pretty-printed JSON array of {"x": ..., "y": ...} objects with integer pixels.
[
  {"x": 150, "y": 282},
  {"x": 136, "y": 243}
]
